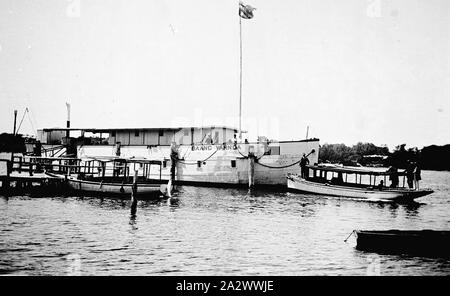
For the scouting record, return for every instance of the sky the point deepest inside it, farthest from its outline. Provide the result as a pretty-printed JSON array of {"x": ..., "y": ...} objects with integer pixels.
[{"x": 352, "y": 71}]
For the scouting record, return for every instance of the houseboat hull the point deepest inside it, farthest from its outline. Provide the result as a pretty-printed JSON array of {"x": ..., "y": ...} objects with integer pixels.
[
  {"x": 220, "y": 164},
  {"x": 295, "y": 182},
  {"x": 116, "y": 189},
  {"x": 207, "y": 154}
]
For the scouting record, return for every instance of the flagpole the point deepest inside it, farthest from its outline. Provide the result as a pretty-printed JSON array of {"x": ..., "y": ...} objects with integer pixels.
[{"x": 240, "y": 78}]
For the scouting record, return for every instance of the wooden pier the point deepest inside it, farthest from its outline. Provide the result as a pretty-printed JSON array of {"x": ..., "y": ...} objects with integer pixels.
[
  {"x": 19, "y": 175},
  {"x": 33, "y": 174}
]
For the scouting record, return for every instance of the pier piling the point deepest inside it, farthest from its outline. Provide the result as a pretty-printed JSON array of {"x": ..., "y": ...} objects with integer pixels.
[
  {"x": 6, "y": 168},
  {"x": 134, "y": 194},
  {"x": 251, "y": 169}
]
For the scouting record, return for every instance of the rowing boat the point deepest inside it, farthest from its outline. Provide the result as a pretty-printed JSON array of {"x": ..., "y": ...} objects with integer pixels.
[{"x": 414, "y": 242}]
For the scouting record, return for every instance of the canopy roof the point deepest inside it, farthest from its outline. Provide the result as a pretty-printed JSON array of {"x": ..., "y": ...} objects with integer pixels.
[{"x": 352, "y": 170}]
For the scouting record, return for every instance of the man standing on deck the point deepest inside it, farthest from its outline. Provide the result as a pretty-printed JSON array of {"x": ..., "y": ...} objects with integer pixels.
[
  {"x": 393, "y": 176},
  {"x": 303, "y": 162},
  {"x": 410, "y": 174},
  {"x": 417, "y": 177},
  {"x": 173, "y": 159}
]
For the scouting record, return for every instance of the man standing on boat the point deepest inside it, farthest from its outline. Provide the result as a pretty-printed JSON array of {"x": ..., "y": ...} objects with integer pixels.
[
  {"x": 393, "y": 176},
  {"x": 417, "y": 177},
  {"x": 173, "y": 159},
  {"x": 303, "y": 162},
  {"x": 410, "y": 174}
]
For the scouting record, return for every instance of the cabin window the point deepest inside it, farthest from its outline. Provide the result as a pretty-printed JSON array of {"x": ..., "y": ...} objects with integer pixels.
[
  {"x": 199, "y": 164},
  {"x": 186, "y": 132},
  {"x": 216, "y": 137},
  {"x": 113, "y": 133},
  {"x": 233, "y": 163},
  {"x": 275, "y": 150},
  {"x": 164, "y": 163},
  {"x": 161, "y": 133},
  {"x": 136, "y": 133}
]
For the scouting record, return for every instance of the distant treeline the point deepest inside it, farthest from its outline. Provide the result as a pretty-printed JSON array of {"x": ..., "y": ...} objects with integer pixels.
[{"x": 430, "y": 157}]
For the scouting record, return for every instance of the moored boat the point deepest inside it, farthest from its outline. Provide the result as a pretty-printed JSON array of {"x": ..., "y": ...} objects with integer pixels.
[
  {"x": 113, "y": 188},
  {"x": 207, "y": 155},
  {"x": 414, "y": 242},
  {"x": 111, "y": 176},
  {"x": 333, "y": 181}
]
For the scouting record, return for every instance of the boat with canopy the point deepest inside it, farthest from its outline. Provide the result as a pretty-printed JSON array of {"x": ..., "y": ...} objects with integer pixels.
[
  {"x": 111, "y": 175},
  {"x": 348, "y": 182}
]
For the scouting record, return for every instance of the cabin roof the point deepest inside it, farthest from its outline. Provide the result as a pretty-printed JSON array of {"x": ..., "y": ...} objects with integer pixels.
[
  {"x": 348, "y": 170},
  {"x": 107, "y": 130}
]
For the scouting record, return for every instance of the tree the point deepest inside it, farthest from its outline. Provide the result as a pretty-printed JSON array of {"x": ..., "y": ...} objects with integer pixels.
[{"x": 12, "y": 143}]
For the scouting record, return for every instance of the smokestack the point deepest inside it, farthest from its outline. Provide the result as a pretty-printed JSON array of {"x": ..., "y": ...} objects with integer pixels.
[
  {"x": 68, "y": 120},
  {"x": 15, "y": 119}
]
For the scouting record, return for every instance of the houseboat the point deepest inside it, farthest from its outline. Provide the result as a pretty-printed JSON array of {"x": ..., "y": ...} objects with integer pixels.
[{"x": 209, "y": 155}]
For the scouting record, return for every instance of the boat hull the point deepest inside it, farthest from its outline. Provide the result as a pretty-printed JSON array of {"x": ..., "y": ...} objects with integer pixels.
[
  {"x": 220, "y": 164},
  {"x": 116, "y": 189},
  {"x": 400, "y": 195},
  {"x": 414, "y": 242}
]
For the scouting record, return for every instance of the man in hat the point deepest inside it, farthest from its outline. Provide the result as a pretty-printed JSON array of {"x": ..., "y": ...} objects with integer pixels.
[{"x": 303, "y": 162}]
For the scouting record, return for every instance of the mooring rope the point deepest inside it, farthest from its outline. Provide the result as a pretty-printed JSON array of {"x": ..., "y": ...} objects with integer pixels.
[
  {"x": 194, "y": 163},
  {"x": 285, "y": 166},
  {"x": 349, "y": 236},
  {"x": 280, "y": 167}
]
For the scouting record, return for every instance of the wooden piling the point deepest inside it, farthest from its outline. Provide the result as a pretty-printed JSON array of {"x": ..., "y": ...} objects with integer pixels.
[
  {"x": 5, "y": 179},
  {"x": 251, "y": 170},
  {"x": 134, "y": 194}
]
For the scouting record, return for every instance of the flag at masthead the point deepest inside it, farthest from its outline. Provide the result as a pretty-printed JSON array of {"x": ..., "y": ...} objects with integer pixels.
[{"x": 245, "y": 12}]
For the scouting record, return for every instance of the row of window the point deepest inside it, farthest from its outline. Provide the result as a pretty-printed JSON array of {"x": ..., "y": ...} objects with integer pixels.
[
  {"x": 161, "y": 133},
  {"x": 136, "y": 133},
  {"x": 199, "y": 163}
]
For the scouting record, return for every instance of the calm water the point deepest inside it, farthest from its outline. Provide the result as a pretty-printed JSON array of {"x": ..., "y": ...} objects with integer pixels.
[{"x": 213, "y": 232}]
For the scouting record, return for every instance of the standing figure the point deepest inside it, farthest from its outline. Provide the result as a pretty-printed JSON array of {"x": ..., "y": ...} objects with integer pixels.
[
  {"x": 303, "y": 162},
  {"x": 393, "y": 176},
  {"x": 380, "y": 185},
  {"x": 410, "y": 174},
  {"x": 173, "y": 159},
  {"x": 417, "y": 177}
]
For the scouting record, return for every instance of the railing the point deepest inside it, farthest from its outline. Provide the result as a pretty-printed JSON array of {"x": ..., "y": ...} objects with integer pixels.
[
  {"x": 67, "y": 166},
  {"x": 53, "y": 151},
  {"x": 39, "y": 165}
]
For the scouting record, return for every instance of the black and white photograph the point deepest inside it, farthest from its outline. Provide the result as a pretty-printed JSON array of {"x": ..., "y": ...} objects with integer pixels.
[{"x": 222, "y": 138}]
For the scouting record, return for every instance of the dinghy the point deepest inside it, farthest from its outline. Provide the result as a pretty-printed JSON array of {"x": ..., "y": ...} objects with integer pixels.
[{"x": 415, "y": 242}]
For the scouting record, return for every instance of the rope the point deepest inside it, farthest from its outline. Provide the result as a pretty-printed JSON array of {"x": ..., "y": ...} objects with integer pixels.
[
  {"x": 32, "y": 125},
  {"x": 194, "y": 163},
  {"x": 245, "y": 156},
  {"x": 23, "y": 117},
  {"x": 283, "y": 167},
  {"x": 257, "y": 160},
  {"x": 280, "y": 167},
  {"x": 349, "y": 236},
  {"x": 32, "y": 119}
]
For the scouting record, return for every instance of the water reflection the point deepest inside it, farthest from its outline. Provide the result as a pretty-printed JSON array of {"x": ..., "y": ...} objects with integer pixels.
[
  {"x": 212, "y": 230},
  {"x": 174, "y": 202},
  {"x": 412, "y": 209},
  {"x": 132, "y": 221}
]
